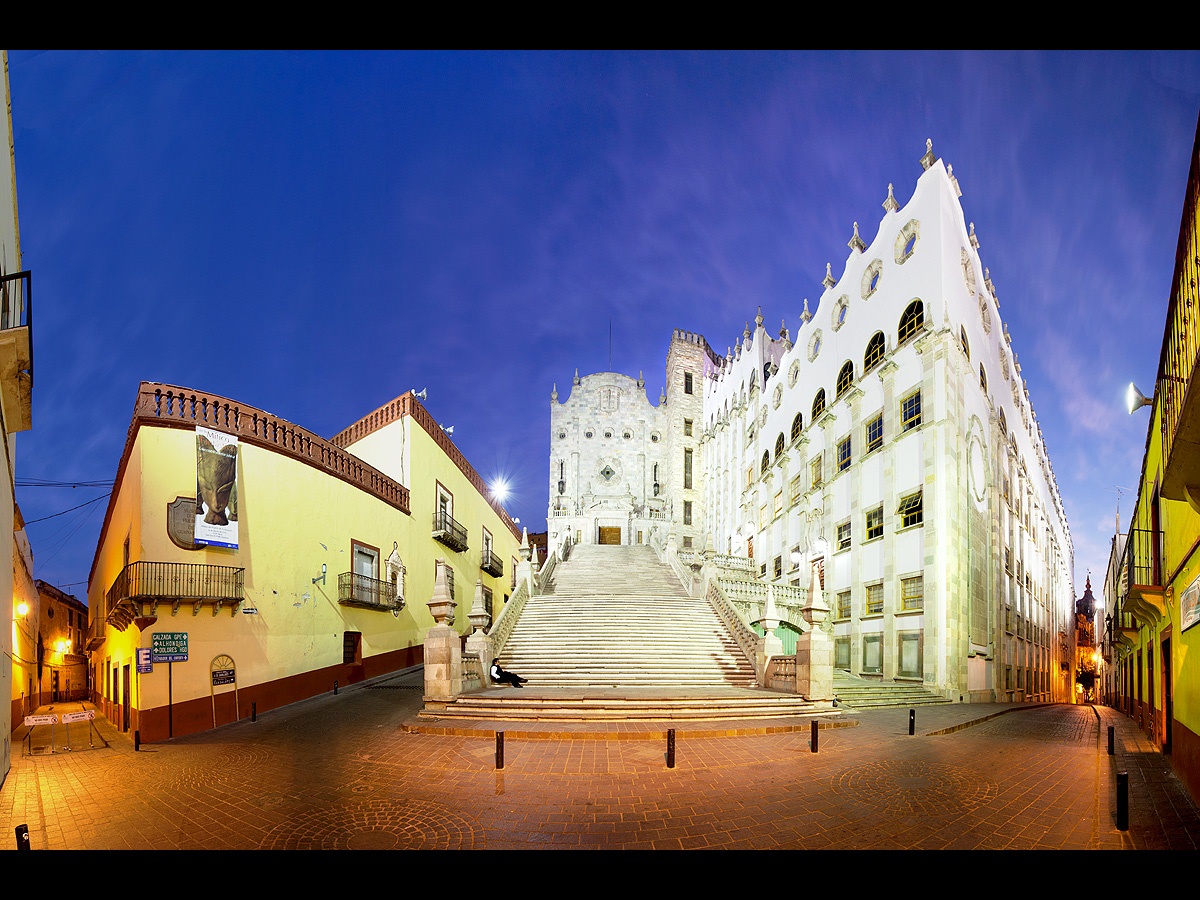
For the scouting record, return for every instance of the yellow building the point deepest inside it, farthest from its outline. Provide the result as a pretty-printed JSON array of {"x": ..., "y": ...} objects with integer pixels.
[
  {"x": 279, "y": 563},
  {"x": 18, "y": 600},
  {"x": 61, "y": 663},
  {"x": 1150, "y": 635}
]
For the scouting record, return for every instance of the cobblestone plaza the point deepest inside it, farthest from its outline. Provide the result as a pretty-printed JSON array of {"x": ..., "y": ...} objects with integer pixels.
[{"x": 359, "y": 770}]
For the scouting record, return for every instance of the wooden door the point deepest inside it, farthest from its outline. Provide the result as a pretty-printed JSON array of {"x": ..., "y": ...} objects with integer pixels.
[{"x": 610, "y": 534}]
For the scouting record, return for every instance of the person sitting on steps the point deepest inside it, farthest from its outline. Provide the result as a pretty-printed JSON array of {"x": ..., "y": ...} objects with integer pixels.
[{"x": 500, "y": 676}]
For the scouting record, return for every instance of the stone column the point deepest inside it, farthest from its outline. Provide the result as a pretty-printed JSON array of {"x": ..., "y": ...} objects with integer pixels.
[
  {"x": 443, "y": 647},
  {"x": 814, "y": 648}
]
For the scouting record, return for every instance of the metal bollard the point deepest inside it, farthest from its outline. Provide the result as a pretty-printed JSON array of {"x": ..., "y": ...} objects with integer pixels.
[
  {"x": 670, "y": 748},
  {"x": 1110, "y": 740},
  {"x": 22, "y": 837},
  {"x": 137, "y": 741},
  {"x": 335, "y": 687},
  {"x": 499, "y": 749},
  {"x": 1122, "y": 801},
  {"x": 254, "y": 711},
  {"x": 912, "y": 721},
  {"x": 813, "y": 743}
]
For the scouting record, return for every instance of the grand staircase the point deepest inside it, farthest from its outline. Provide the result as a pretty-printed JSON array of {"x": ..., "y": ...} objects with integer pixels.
[{"x": 615, "y": 637}]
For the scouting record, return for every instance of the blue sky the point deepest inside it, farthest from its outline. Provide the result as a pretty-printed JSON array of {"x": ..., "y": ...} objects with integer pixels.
[{"x": 354, "y": 225}]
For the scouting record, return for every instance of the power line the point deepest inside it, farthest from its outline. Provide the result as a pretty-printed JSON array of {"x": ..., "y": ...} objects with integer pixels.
[
  {"x": 46, "y": 482},
  {"x": 65, "y": 511}
]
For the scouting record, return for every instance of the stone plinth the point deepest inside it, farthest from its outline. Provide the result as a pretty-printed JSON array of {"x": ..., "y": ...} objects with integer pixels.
[
  {"x": 814, "y": 665},
  {"x": 443, "y": 663}
]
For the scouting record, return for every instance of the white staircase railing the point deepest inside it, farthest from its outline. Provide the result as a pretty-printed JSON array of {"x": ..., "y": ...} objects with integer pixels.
[
  {"x": 503, "y": 627},
  {"x": 746, "y": 637}
]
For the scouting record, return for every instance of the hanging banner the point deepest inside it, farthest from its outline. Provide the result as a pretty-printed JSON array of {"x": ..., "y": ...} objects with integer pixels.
[{"x": 216, "y": 488}]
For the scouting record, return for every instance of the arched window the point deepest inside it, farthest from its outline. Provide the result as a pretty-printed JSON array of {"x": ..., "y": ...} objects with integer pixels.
[
  {"x": 982, "y": 378},
  {"x": 779, "y": 446},
  {"x": 962, "y": 339},
  {"x": 766, "y": 461},
  {"x": 1003, "y": 423},
  {"x": 874, "y": 354},
  {"x": 911, "y": 321},
  {"x": 818, "y": 406},
  {"x": 797, "y": 427},
  {"x": 845, "y": 378}
]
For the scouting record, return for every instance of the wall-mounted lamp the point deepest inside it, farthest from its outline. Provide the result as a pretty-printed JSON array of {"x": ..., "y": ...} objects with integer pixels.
[
  {"x": 1135, "y": 399},
  {"x": 22, "y": 608},
  {"x": 421, "y": 394},
  {"x": 322, "y": 578}
]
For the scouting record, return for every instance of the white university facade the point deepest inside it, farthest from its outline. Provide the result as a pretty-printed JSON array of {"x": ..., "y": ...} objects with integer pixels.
[{"x": 893, "y": 440}]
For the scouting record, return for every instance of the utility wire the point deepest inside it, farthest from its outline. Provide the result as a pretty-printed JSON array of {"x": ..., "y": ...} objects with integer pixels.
[{"x": 65, "y": 511}]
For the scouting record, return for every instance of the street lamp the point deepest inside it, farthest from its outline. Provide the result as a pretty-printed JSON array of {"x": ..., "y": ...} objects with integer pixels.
[{"x": 1135, "y": 399}]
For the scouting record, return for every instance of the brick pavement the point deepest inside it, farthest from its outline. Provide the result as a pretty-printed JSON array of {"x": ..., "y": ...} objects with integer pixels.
[{"x": 360, "y": 771}]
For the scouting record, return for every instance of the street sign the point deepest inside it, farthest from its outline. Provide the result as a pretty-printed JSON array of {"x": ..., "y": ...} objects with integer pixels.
[
  {"x": 223, "y": 676},
  {"x": 169, "y": 646},
  {"x": 144, "y": 665},
  {"x": 41, "y": 720},
  {"x": 85, "y": 716}
]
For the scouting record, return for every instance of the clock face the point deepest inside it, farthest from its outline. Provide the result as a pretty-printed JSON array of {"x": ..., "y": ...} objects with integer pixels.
[{"x": 977, "y": 464}]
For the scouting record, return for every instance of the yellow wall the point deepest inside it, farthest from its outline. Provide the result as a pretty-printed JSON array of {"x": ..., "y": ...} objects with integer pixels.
[{"x": 292, "y": 519}]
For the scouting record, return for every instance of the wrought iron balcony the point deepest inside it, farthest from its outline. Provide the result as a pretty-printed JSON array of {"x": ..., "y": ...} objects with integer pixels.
[
  {"x": 16, "y": 350},
  {"x": 449, "y": 532},
  {"x": 1177, "y": 390},
  {"x": 143, "y": 586},
  {"x": 1144, "y": 592},
  {"x": 491, "y": 563},
  {"x": 366, "y": 592}
]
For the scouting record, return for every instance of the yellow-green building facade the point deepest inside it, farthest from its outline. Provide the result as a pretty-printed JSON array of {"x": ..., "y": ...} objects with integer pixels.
[
  {"x": 1151, "y": 636},
  {"x": 334, "y": 553}
]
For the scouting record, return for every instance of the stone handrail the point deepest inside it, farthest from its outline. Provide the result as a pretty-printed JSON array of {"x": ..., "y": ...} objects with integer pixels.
[
  {"x": 735, "y": 621},
  {"x": 683, "y": 573},
  {"x": 499, "y": 633},
  {"x": 472, "y": 671},
  {"x": 781, "y": 674},
  {"x": 736, "y": 563}
]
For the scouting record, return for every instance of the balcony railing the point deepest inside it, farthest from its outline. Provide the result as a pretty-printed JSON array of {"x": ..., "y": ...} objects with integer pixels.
[
  {"x": 143, "y": 586},
  {"x": 1143, "y": 557},
  {"x": 491, "y": 563},
  {"x": 16, "y": 350},
  {"x": 449, "y": 532},
  {"x": 366, "y": 592},
  {"x": 1175, "y": 389}
]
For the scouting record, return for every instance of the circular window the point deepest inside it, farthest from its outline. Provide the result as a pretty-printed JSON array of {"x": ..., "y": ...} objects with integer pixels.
[
  {"x": 839, "y": 311},
  {"x": 608, "y": 434},
  {"x": 762, "y": 416},
  {"x": 588, "y": 433},
  {"x": 814, "y": 345},
  {"x": 968, "y": 270},
  {"x": 654, "y": 438},
  {"x": 627, "y": 435},
  {"x": 777, "y": 396},
  {"x": 562, "y": 435},
  {"x": 793, "y": 373},
  {"x": 906, "y": 240},
  {"x": 985, "y": 315},
  {"x": 870, "y": 279}
]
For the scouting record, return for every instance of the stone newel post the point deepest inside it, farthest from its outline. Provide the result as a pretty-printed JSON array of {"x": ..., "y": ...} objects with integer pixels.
[
  {"x": 814, "y": 648},
  {"x": 769, "y": 644},
  {"x": 443, "y": 647},
  {"x": 479, "y": 643}
]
